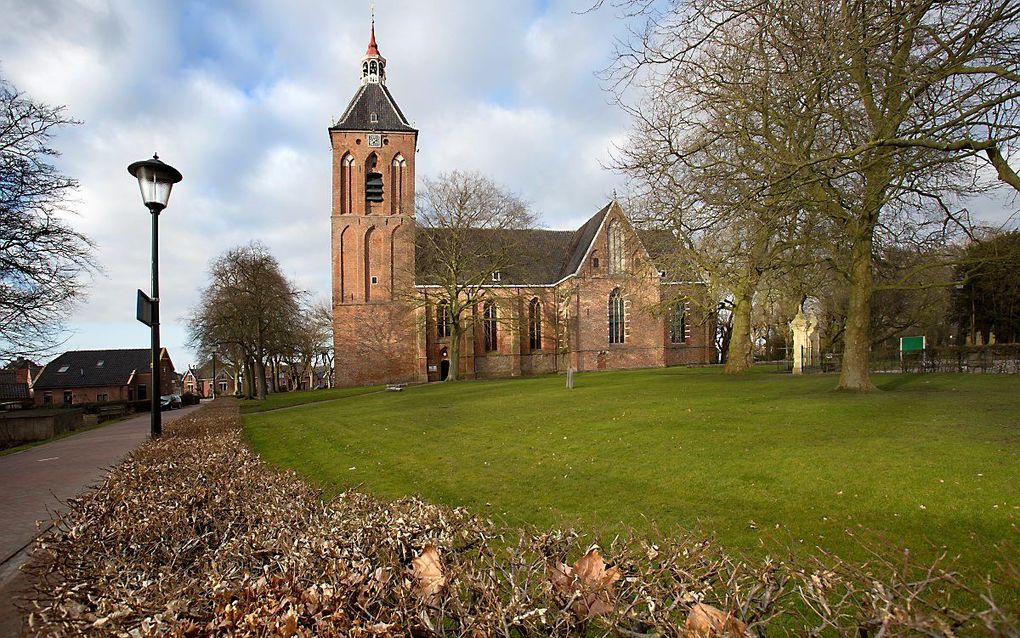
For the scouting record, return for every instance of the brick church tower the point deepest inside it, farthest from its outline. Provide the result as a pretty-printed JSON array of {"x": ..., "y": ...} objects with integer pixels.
[{"x": 372, "y": 227}]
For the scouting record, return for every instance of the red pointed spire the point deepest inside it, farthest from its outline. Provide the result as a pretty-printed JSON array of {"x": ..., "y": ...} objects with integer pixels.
[{"x": 373, "y": 49}]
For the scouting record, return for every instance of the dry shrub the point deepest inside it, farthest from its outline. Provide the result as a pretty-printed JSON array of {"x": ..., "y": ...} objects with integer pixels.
[{"x": 194, "y": 535}]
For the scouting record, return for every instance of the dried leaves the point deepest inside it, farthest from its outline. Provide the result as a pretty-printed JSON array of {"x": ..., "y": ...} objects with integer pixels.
[
  {"x": 588, "y": 585},
  {"x": 194, "y": 535},
  {"x": 428, "y": 571}
]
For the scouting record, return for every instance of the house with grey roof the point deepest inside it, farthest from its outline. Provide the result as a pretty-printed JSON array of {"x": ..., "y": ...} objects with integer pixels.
[{"x": 98, "y": 376}]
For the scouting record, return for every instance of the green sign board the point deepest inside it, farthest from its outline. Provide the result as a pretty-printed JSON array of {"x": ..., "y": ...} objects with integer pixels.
[{"x": 912, "y": 344}]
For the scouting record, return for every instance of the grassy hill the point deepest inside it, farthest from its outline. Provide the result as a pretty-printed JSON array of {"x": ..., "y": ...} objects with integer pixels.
[{"x": 931, "y": 463}]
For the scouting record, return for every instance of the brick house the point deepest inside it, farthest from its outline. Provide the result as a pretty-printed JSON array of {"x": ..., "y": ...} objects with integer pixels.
[
  {"x": 200, "y": 381},
  {"x": 96, "y": 376},
  {"x": 595, "y": 298},
  {"x": 14, "y": 389}
]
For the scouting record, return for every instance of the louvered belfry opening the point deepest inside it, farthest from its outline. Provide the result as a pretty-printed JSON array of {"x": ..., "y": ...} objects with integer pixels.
[{"x": 373, "y": 180}]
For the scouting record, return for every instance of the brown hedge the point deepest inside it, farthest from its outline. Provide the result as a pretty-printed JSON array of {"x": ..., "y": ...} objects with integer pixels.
[{"x": 194, "y": 535}]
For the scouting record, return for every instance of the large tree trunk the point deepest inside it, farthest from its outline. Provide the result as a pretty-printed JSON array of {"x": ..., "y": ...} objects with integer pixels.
[
  {"x": 260, "y": 378},
  {"x": 455, "y": 331},
  {"x": 855, "y": 372},
  {"x": 740, "y": 355},
  {"x": 249, "y": 378}
]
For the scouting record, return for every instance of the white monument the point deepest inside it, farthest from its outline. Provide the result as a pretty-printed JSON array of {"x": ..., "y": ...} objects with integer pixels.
[{"x": 806, "y": 341}]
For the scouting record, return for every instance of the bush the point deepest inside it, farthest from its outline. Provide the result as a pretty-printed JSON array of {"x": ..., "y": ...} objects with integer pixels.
[
  {"x": 189, "y": 398},
  {"x": 193, "y": 534},
  {"x": 140, "y": 405}
]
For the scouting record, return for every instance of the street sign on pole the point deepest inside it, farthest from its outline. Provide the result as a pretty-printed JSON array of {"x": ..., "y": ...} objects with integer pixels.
[
  {"x": 912, "y": 344},
  {"x": 143, "y": 311}
]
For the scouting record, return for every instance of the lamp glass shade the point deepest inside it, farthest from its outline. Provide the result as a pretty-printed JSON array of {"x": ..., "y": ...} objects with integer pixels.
[{"x": 155, "y": 179}]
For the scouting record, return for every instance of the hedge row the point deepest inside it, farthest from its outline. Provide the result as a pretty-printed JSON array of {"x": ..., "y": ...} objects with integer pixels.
[{"x": 194, "y": 535}]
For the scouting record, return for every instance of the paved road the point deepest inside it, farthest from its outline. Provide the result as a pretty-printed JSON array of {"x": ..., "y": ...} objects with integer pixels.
[{"x": 34, "y": 483}]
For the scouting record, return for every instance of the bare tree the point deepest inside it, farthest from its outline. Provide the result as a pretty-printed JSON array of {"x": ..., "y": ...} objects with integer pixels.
[
  {"x": 42, "y": 258},
  {"x": 700, "y": 175},
  {"x": 250, "y": 306},
  {"x": 466, "y": 232},
  {"x": 899, "y": 104},
  {"x": 313, "y": 343}
]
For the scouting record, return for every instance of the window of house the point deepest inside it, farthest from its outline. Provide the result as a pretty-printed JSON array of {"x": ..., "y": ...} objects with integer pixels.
[
  {"x": 497, "y": 276},
  {"x": 373, "y": 118},
  {"x": 68, "y": 397},
  {"x": 616, "y": 317},
  {"x": 489, "y": 326},
  {"x": 616, "y": 260},
  {"x": 63, "y": 369},
  {"x": 101, "y": 398},
  {"x": 535, "y": 324},
  {"x": 676, "y": 319},
  {"x": 594, "y": 262},
  {"x": 223, "y": 385},
  {"x": 443, "y": 319},
  {"x": 47, "y": 397},
  {"x": 99, "y": 364},
  {"x": 142, "y": 393}
]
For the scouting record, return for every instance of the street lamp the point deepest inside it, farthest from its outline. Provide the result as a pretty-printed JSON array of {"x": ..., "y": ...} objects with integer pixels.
[{"x": 155, "y": 179}]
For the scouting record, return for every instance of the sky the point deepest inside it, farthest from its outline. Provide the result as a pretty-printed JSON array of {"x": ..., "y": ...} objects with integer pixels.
[{"x": 238, "y": 96}]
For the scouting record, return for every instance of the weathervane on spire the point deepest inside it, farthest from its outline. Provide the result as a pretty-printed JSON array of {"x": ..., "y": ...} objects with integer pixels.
[{"x": 373, "y": 65}]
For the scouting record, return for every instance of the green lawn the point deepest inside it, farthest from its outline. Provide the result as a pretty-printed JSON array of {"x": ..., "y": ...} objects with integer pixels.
[
  {"x": 300, "y": 397},
  {"x": 931, "y": 459}
]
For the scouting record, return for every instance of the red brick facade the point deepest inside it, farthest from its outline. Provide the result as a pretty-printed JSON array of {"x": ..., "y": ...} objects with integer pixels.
[
  {"x": 574, "y": 328},
  {"x": 385, "y": 326}
]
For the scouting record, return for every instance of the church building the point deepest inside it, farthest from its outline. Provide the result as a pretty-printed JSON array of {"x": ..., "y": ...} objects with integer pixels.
[{"x": 595, "y": 298}]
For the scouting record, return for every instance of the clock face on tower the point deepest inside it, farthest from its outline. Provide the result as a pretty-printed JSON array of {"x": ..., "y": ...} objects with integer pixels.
[{"x": 375, "y": 140}]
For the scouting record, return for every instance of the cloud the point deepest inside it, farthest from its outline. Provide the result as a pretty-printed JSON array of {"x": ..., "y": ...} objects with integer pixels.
[{"x": 238, "y": 96}]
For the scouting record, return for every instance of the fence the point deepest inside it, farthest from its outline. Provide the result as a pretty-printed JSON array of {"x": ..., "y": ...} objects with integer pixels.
[{"x": 994, "y": 359}]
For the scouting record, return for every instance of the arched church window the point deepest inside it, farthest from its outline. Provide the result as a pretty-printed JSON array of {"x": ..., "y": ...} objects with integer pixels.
[
  {"x": 616, "y": 260},
  {"x": 369, "y": 279},
  {"x": 346, "y": 184},
  {"x": 397, "y": 171},
  {"x": 364, "y": 68},
  {"x": 373, "y": 180},
  {"x": 372, "y": 68},
  {"x": 535, "y": 324},
  {"x": 676, "y": 319},
  {"x": 617, "y": 327},
  {"x": 489, "y": 326},
  {"x": 443, "y": 320}
]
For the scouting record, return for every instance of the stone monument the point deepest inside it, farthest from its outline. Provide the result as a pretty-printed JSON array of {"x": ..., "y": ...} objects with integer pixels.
[{"x": 806, "y": 341}]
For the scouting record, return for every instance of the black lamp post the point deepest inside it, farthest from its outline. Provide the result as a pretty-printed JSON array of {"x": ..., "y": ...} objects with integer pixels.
[{"x": 155, "y": 179}]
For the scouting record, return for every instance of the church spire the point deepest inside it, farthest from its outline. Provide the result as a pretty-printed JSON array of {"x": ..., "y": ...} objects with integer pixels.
[{"x": 373, "y": 65}]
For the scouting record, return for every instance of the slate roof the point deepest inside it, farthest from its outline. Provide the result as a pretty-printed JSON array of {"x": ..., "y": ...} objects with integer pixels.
[
  {"x": 373, "y": 98},
  {"x": 10, "y": 389},
  {"x": 542, "y": 257},
  {"x": 83, "y": 369}
]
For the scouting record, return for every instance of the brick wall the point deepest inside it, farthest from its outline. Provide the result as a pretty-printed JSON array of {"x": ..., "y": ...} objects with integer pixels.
[{"x": 82, "y": 395}]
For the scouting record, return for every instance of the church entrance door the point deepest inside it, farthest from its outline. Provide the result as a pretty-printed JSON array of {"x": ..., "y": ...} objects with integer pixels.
[{"x": 444, "y": 369}]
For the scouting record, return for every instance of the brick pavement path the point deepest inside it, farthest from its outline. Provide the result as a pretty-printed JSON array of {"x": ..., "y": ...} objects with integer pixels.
[{"x": 35, "y": 482}]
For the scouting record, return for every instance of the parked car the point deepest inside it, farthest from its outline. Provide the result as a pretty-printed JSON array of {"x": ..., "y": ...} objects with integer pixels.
[{"x": 169, "y": 402}]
